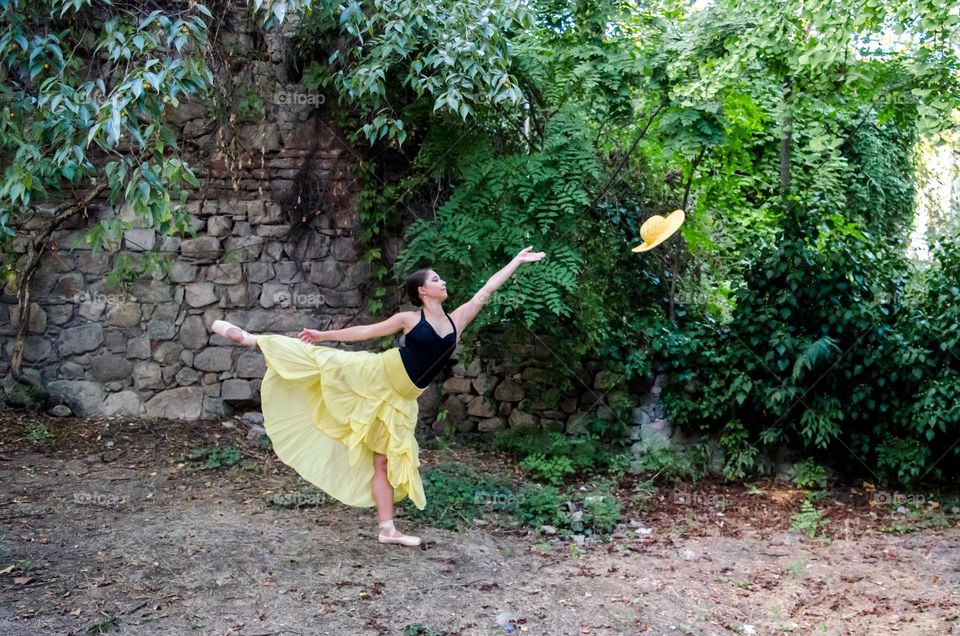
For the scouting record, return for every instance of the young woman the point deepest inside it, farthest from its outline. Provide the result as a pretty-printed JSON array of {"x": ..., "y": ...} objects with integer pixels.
[{"x": 344, "y": 420}]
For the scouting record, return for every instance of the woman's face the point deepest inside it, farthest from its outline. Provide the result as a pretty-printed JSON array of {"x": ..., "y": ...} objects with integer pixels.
[{"x": 434, "y": 287}]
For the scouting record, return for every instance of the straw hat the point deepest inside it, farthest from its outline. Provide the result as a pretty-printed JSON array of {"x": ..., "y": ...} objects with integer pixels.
[{"x": 657, "y": 229}]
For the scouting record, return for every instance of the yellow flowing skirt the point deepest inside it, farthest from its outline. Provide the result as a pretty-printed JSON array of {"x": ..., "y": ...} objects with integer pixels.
[{"x": 327, "y": 411}]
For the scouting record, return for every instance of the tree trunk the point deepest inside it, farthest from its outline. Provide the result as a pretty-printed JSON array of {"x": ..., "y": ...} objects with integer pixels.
[
  {"x": 35, "y": 251},
  {"x": 675, "y": 269},
  {"x": 787, "y": 137}
]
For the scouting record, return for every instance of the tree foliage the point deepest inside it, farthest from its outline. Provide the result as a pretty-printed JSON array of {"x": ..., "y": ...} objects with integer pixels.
[
  {"x": 787, "y": 129},
  {"x": 87, "y": 85}
]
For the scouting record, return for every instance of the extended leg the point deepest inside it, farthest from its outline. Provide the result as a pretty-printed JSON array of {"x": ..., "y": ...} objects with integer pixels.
[{"x": 233, "y": 333}]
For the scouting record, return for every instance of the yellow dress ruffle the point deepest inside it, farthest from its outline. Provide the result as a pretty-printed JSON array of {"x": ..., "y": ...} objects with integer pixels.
[{"x": 327, "y": 411}]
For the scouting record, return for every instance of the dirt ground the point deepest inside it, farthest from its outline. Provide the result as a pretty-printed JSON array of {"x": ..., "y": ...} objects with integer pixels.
[{"x": 105, "y": 528}]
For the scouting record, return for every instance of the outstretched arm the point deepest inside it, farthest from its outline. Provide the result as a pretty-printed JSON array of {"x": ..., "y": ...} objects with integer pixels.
[
  {"x": 465, "y": 313},
  {"x": 393, "y": 324}
]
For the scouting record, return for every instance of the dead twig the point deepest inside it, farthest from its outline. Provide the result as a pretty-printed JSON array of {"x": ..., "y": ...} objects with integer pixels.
[{"x": 434, "y": 587}]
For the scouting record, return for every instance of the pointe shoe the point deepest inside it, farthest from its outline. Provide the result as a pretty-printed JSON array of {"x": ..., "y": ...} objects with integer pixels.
[
  {"x": 222, "y": 327},
  {"x": 402, "y": 539}
]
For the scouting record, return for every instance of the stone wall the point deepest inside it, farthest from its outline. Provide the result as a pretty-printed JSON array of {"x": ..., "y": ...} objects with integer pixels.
[
  {"x": 511, "y": 386},
  {"x": 267, "y": 256}
]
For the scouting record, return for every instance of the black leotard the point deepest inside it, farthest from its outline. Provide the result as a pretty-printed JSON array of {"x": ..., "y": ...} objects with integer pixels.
[{"x": 424, "y": 352}]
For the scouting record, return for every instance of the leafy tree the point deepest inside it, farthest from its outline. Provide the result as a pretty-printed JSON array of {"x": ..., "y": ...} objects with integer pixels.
[
  {"x": 380, "y": 57},
  {"x": 86, "y": 86}
]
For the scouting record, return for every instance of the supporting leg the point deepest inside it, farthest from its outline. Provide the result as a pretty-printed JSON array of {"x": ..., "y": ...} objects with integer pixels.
[
  {"x": 383, "y": 497},
  {"x": 382, "y": 490}
]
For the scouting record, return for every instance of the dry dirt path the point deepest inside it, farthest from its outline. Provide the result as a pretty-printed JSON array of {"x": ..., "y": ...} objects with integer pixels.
[{"x": 104, "y": 529}]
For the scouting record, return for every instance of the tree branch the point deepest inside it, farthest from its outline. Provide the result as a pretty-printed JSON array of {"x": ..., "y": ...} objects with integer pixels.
[
  {"x": 35, "y": 252},
  {"x": 623, "y": 159},
  {"x": 675, "y": 269}
]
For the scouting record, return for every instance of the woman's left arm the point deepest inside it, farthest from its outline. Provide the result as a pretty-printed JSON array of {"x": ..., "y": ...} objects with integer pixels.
[{"x": 465, "y": 313}]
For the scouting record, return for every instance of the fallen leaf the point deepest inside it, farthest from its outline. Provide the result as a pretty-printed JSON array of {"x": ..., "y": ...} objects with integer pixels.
[
  {"x": 7, "y": 570},
  {"x": 22, "y": 580}
]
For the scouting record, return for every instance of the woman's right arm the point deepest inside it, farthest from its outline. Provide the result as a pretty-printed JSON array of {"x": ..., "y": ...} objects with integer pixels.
[{"x": 397, "y": 322}]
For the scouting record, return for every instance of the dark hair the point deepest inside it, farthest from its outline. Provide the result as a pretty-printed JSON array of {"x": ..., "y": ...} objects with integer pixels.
[{"x": 415, "y": 281}]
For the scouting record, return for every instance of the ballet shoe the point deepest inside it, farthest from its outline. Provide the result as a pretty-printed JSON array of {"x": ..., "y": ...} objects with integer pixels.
[
  {"x": 402, "y": 539},
  {"x": 221, "y": 327}
]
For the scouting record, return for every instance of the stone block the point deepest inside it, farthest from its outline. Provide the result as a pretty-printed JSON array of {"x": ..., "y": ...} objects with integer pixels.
[
  {"x": 180, "y": 403},
  {"x": 519, "y": 419},
  {"x": 508, "y": 391},
  {"x": 481, "y": 406},
  {"x": 84, "y": 398},
  {"x": 79, "y": 339},
  {"x": 110, "y": 368}
]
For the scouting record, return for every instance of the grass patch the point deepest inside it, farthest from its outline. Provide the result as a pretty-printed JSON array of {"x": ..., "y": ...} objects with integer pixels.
[
  {"x": 457, "y": 494},
  {"x": 552, "y": 457},
  {"x": 218, "y": 457},
  {"x": 809, "y": 520}
]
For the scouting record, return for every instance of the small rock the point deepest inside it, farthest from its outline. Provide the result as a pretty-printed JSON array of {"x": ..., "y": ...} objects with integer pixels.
[
  {"x": 749, "y": 629},
  {"x": 255, "y": 432},
  {"x": 505, "y": 618},
  {"x": 688, "y": 555},
  {"x": 227, "y": 424},
  {"x": 61, "y": 410},
  {"x": 551, "y": 530},
  {"x": 252, "y": 418}
]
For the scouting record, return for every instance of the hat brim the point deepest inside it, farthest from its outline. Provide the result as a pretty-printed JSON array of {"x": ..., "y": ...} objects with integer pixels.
[{"x": 674, "y": 220}]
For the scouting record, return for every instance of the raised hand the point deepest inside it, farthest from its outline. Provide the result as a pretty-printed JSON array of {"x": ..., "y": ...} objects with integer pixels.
[
  {"x": 311, "y": 336},
  {"x": 526, "y": 256}
]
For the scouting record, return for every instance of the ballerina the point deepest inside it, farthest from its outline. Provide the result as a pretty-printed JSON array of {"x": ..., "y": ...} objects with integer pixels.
[{"x": 345, "y": 420}]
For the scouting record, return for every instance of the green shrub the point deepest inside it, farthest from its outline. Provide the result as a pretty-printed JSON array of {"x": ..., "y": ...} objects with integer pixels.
[
  {"x": 542, "y": 505},
  {"x": 551, "y": 456},
  {"x": 601, "y": 513},
  {"x": 808, "y": 520},
  {"x": 808, "y": 474},
  {"x": 675, "y": 464},
  {"x": 219, "y": 457},
  {"x": 456, "y": 494},
  {"x": 552, "y": 470},
  {"x": 39, "y": 432},
  {"x": 835, "y": 345},
  {"x": 740, "y": 455}
]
